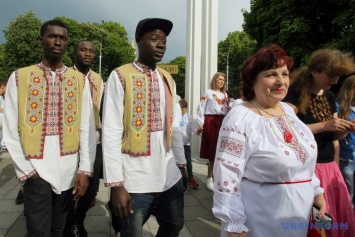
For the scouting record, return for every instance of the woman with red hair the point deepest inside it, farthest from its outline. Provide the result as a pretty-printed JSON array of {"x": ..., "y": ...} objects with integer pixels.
[{"x": 264, "y": 171}]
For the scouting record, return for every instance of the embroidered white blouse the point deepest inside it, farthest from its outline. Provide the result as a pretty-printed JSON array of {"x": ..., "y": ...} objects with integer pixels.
[
  {"x": 261, "y": 183},
  {"x": 59, "y": 171},
  {"x": 212, "y": 103},
  {"x": 139, "y": 174}
]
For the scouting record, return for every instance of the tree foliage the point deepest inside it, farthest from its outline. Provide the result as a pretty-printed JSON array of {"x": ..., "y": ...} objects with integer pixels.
[
  {"x": 179, "y": 78},
  {"x": 301, "y": 26},
  {"x": 240, "y": 47},
  {"x": 22, "y": 47}
]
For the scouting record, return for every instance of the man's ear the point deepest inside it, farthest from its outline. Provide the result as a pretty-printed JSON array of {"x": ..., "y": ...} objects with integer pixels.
[
  {"x": 40, "y": 39},
  {"x": 138, "y": 40}
]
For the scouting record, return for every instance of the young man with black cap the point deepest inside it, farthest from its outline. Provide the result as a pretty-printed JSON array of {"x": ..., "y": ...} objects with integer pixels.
[{"x": 144, "y": 162}]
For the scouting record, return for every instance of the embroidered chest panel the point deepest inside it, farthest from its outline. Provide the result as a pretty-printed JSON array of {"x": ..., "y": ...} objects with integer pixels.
[
  {"x": 140, "y": 97},
  {"x": 51, "y": 103}
]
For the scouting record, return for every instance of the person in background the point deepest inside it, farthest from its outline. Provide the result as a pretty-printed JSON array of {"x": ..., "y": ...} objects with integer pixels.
[
  {"x": 84, "y": 53},
  {"x": 212, "y": 109},
  {"x": 265, "y": 159},
  {"x": 345, "y": 104},
  {"x": 48, "y": 122},
  {"x": 144, "y": 161},
  {"x": 3, "y": 84},
  {"x": 187, "y": 127},
  {"x": 309, "y": 94}
]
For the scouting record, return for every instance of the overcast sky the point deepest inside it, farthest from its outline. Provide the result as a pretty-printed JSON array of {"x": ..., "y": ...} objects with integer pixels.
[{"x": 127, "y": 13}]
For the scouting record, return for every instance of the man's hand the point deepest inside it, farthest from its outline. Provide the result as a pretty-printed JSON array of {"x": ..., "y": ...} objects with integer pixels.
[
  {"x": 121, "y": 202},
  {"x": 81, "y": 184},
  {"x": 184, "y": 176}
]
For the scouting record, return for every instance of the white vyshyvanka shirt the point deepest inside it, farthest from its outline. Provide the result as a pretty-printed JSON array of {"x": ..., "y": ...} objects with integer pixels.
[
  {"x": 251, "y": 163},
  {"x": 59, "y": 171},
  {"x": 187, "y": 127},
  {"x": 212, "y": 103},
  {"x": 140, "y": 174}
]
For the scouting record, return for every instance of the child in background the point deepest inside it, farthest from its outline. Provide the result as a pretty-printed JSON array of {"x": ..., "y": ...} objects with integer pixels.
[{"x": 186, "y": 127}]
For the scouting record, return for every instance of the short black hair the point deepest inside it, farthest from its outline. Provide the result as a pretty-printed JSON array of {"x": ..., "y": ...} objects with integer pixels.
[
  {"x": 54, "y": 22},
  {"x": 77, "y": 44}
]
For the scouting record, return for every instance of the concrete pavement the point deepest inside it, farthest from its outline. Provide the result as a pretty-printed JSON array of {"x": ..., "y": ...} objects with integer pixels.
[{"x": 199, "y": 220}]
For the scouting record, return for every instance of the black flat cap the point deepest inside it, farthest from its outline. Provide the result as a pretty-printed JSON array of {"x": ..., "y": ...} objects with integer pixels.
[{"x": 150, "y": 24}]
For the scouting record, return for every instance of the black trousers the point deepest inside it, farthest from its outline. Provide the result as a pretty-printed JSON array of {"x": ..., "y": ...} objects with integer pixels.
[
  {"x": 77, "y": 214},
  {"x": 45, "y": 211}
]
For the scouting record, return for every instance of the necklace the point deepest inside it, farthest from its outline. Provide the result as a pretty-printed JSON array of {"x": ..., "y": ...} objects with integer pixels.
[
  {"x": 260, "y": 107},
  {"x": 287, "y": 134}
]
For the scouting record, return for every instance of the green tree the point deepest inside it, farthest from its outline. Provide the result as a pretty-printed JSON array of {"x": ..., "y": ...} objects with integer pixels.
[
  {"x": 240, "y": 46},
  {"x": 179, "y": 78},
  {"x": 299, "y": 26},
  {"x": 3, "y": 75},
  {"x": 22, "y": 46},
  {"x": 116, "y": 49}
]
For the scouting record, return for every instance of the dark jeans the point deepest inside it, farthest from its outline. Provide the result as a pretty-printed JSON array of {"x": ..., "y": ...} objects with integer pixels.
[
  {"x": 45, "y": 211},
  {"x": 347, "y": 169},
  {"x": 78, "y": 214},
  {"x": 167, "y": 207},
  {"x": 187, "y": 150}
]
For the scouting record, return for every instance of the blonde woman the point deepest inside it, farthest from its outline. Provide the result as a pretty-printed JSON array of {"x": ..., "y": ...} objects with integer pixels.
[{"x": 213, "y": 107}]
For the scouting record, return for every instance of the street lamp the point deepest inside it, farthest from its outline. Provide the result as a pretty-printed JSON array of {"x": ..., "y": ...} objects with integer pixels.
[
  {"x": 229, "y": 47},
  {"x": 100, "y": 56}
]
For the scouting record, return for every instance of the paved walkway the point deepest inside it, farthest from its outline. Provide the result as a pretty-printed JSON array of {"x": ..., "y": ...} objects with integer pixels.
[{"x": 199, "y": 220}]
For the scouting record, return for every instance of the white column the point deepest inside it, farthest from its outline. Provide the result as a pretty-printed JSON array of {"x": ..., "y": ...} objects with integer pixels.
[
  {"x": 209, "y": 42},
  {"x": 193, "y": 54},
  {"x": 201, "y": 57}
]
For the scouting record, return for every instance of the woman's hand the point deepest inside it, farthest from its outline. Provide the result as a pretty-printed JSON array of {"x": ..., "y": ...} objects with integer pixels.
[
  {"x": 319, "y": 201},
  {"x": 199, "y": 130},
  {"x": 339, "y": 125}
]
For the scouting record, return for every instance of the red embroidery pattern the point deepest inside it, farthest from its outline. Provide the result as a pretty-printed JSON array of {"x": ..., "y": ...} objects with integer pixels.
[
  {"x": 139, "y": 106},
  {"x": 300, "y": 151},
  {"x": 231, "y": 146},
  {"x": 220, "y": 101},
  {"x": 36, "y": 94},
  {"x": 156, "y": 120}
]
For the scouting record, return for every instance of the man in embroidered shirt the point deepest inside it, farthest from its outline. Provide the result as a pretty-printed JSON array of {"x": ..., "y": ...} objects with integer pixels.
[
  {"x": 48, "y": 121},
  {"x": 142, "y": 142},
  {"x": 84, "y": 53}
]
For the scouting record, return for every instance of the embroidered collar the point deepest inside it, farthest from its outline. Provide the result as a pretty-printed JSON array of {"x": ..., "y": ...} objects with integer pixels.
[
  {"x": 87, "y": 75},
  {"x": 143, "y": 68},
  {"x": 46, "y": 69}
]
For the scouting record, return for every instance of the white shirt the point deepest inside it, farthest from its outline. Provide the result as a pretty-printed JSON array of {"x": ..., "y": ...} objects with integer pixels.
[
  {"x": 212, "y": 103},
  {"x": 155, "y": 173},
  {"x": 250, "y": 160},
  {"x": 59, "y": 171},
  {"x": 187, "y": 127}
]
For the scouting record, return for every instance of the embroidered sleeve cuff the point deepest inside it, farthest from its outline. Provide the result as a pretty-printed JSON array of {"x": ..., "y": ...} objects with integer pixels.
[
  {"x": 235, "y": 227},
  {"x": 114, "y": 184},
  {"x": 27, "y": 176},
  {"x": 87, "y": 173},
  {"x": 318, "y": 191}
]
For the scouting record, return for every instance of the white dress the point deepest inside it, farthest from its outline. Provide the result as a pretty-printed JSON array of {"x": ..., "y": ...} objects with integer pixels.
[{"x": 262, "y": 185}]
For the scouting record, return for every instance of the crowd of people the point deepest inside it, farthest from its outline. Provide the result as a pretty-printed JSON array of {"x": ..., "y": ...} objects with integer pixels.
[{"x": 285, "y": 147}]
